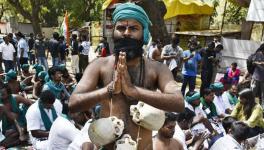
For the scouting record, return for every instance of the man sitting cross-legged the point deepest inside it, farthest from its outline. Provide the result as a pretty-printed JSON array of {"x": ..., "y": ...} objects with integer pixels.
[
  {"x": 40, "y": 117},
  {"x": 13, "y": 117}
]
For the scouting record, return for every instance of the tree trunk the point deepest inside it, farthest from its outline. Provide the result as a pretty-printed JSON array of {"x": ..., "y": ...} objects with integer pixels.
[{"x": 156, "y": 10}]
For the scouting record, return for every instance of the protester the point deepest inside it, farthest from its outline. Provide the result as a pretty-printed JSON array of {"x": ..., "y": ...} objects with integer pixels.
[
  {"x": 221, "y": 107},
  {"x": 75, "y": 54},
  {"x": 191, "y": 58},
  {"x": 133, "y": 72},
  {"x": 257, "y": 71},
  {"x": 218, "y": 59},
  {"x": 40, "y": 117},
  {"x": 38, "y": 85},
  {"x": 62, "y": 50},
  {"x": 230, "y": 97},
  {"x": 250, "y": 112},
  {"x": 184, "y": 122},
  {"x": 31, "y": 52},
  {"x": 208, "y": 57},
  {"x": 53, "y": 47},
  {"x": 12, "y": 116},
  {"x": 41, "y": 50},
  {"x": 60, "y": 138},
  {"x": 172, "y": 55},
  {"x": 156, "y": 55},
  {"x": 57, "y": 88},
  {"x": 164, "y": 139},
  {"x": 25, "y": 71},
  {"x": 84, "y": 53},
  {"x": 200, "y": 121},
  {"x": 7, "y": 52},
  {"x": 22, "y": 50},
  {"x": 231, "y": 76},
  {"x": 233, "y": 140}
]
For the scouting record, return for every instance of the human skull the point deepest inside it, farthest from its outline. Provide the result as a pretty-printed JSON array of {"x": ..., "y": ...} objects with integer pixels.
[
  {"x": 147, "y": 116},
  {"x": 126, "y": 143},
  {"x": 105, "y": 130}
]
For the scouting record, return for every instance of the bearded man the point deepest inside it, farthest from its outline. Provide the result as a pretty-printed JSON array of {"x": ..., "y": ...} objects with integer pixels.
[{"x": 123, "y": 79}]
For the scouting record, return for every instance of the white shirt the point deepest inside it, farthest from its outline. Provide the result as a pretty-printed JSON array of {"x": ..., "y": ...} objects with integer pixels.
[
  {"x": 81, "y": 138},
  {"x": 86, "y": 47},
  {"x": 219, "y": 104},
  {"x": 180, "y": 136},
  {"x": 22, "y": 44},
  {"x": 7, "y": 51},
  {"x": 62, "y": 133},
  {"x": 34, "y": 121},
  {"x": 198, "y": 112},
  {"x": 226, "y": 101},
  {"x": 227, "y": 142}
]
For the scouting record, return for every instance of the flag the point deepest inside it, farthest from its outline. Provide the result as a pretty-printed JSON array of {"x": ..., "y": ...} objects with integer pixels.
[{"x": 64, "y": 28}]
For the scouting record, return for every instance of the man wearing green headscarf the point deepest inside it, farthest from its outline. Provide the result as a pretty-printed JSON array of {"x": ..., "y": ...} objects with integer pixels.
[
  {"x": 37, "y": 87},
  {"x": 126, "y": 77},
  {"x": 25, "y": 71}
]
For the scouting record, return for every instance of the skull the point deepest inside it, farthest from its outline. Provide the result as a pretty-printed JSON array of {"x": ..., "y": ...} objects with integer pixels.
[
  {"x": 126, "y": 143},
  {"x": 147, "y": 116},
  {"x": 105, "y": 130}
]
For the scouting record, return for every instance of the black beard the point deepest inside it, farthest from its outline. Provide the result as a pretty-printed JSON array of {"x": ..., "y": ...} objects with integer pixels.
[{"x": 132, "y": 47}]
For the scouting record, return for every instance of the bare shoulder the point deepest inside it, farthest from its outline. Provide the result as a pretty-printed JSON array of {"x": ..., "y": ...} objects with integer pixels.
[
  {"x": 155, "y": 65},
  {"x": 93, "y": 73}
]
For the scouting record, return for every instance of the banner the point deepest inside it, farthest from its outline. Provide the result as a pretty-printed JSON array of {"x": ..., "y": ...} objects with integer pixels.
[
  {"x": 64, "y": 28},
  {"x": 256, "y": 11},
  {"x": 237, "y": 51}
]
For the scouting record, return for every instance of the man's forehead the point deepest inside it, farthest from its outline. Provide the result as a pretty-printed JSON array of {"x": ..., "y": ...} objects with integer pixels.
[{"x": 130, "y": 22}]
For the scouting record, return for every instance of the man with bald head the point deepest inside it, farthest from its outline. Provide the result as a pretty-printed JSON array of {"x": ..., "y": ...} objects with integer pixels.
[{"x": 126, "y": 77}]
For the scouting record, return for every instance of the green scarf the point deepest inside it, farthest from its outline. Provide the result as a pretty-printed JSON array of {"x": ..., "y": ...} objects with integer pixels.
[
  {"x": 211, "y": 106},
  {"x": 232, "y": 99},
  {"x": 6, "y": 124},
  {"x": 56, "y": 89},
  {"x": 45, "y": 118}
]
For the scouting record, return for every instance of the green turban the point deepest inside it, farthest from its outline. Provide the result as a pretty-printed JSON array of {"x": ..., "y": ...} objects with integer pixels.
[
  {"x": 11, "y": 74},
  {"x": 25, "y": 66},
  {"x": 132, "y": 11},
  {"x": 192, "y": 98},
  {"x": 42, "y": 75},
  {"x": 38, "y": 68},
  {"x": 62, "y": 66},
  {"x": 217, "y": 86}
]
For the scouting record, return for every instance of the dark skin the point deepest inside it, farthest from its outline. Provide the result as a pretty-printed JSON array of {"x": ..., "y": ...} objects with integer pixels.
[
  {"x": 99, "y": 72},
  {"x": 42, "y": 133},
  {"x": 13, "y": 137},
  {"x": 165, "y": 140},
  {"x": 37, "y": 88}
]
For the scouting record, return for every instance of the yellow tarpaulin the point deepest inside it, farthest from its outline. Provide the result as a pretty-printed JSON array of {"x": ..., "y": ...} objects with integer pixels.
[
  {"x": 179, "y": 7},
  {"x": 186, "y": 7}
]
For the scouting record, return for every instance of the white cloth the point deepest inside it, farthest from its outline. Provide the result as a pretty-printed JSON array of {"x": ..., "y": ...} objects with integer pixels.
[
  {"x": 62, "y": 133},
  {"x": 227, "y": 142},
  {"x": 81, "y": 138},
  {"x": 198, "y": 112},
  {"x": 219, "y": 104},
  {"x": 7, "y": 51},
  {"x": 86, "y": 47},
  {"x": 180, "y": 136},
  {"x": 151, "y": 50},
  {"x": 226, "y": 101},
  {"x": 75, "y": 64},
  {"x": 34, "y": 122},
  {"x": 22, "y": 44}
]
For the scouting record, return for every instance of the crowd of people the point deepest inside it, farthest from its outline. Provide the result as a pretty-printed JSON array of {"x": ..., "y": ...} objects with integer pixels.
[{"x": 127, "y": 101}]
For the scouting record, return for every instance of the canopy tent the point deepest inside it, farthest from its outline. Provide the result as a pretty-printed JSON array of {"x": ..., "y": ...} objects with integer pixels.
[
  {"x": 242, "y": 3},
  {"x": 177, "y": 7},
  {"x": 186, "y": 7}
]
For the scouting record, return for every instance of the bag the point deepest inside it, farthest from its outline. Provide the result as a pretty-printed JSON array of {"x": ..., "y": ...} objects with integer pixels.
[{"x": 103, "y": 52}]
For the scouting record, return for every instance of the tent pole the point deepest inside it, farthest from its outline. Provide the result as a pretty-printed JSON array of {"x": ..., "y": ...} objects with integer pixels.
[{"x": 223, "y": 19}]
